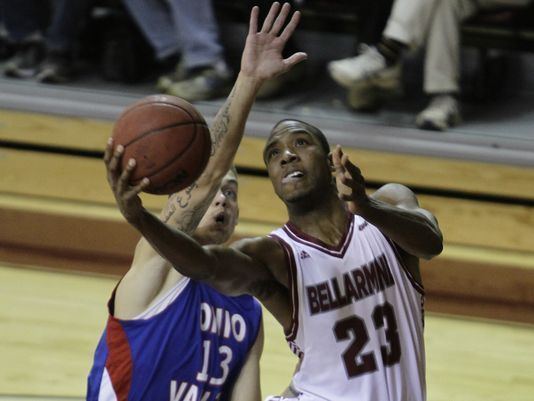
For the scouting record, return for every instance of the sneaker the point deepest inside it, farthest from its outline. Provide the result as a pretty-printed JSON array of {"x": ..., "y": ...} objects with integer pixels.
[
  {"x": 368, "y": 68},
  {"x": 165, "y": 81},
  {"x": 56, "y": 68},
  {"x": 26, "y": 61},
  {"x": 370, "y": 98},
  {"x": 442, "y": 113},
  {"x": 208, "y": 83}
]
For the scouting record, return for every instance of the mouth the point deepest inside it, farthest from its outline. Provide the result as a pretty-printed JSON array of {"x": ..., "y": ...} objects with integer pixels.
[
  {"x": 221, "y": 218},
  {"x": 292, "y": 176}
]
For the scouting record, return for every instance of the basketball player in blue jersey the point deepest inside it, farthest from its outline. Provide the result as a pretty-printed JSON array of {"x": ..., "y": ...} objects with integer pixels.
[
  {"x": 168, "y": 336},
  {"x": 352, "y": 297}
]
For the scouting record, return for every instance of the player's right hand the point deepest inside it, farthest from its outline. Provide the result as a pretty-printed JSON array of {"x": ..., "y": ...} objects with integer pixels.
[
  {"x": 126, "y": 196},
  {"x": 262, "y": 56}
]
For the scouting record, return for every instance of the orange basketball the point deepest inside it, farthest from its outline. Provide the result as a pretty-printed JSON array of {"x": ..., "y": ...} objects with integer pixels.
[{"x": 168, "y": 138}]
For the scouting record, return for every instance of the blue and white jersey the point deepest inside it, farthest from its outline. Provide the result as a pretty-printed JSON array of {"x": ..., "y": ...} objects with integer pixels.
[{"x": 189, "y": 346}]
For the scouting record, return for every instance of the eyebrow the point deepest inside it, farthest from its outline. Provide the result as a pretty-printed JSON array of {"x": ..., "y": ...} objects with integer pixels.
[
  {"x": 268, "y": 147},
  {"x": 231, "y": 181}
]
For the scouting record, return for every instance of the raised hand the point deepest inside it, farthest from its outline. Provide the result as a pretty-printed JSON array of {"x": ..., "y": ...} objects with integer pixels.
[
  {"x": 262, "y": 56},
  {"x": 126, "y": 196},
  {"x": 349, "y": 181}
]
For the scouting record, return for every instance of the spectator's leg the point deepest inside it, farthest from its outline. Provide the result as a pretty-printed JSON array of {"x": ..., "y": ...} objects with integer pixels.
[
  {"x": 410, "y": 20},
  {"x": 380, "y": 66},
  {"x": 202, "y": 52},
  {"x": 6, "y": 46},
  {"x": 68, "y": 19},
  {"x": 154, "y": 19},
  {"x": 198, "y": 31},
  {"x": 24, "y": 22},
  {"x": 442, "y": 61},
  {"x": 25, "y": 19},
  {"x": 443, "y": 46}
]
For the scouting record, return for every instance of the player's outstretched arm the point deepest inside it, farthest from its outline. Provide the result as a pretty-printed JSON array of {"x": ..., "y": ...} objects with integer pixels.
[
  {"x": 261, "y": 60},
  {"x": 394, "y": 209}
]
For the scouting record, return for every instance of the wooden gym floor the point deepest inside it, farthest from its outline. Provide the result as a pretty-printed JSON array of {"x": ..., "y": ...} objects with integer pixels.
[{"x": 51, "y": 322}]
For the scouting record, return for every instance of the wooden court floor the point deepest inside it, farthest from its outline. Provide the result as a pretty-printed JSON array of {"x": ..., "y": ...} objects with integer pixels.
[{"x": 50, "y": 323}]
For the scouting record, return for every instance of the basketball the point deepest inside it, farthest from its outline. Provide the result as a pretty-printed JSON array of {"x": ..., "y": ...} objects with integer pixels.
[{"x": 168, "y": 138}]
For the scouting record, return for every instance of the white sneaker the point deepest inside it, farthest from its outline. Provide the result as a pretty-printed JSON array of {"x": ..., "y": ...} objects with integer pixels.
[
  {"x": 369, "y": 68},
  {"x": 442, "y": 113}
]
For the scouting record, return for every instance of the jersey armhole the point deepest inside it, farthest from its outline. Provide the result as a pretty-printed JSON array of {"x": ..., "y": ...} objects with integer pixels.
[
  {"x": 398, "y": 254},
  {"x": 291, "y": 331}
]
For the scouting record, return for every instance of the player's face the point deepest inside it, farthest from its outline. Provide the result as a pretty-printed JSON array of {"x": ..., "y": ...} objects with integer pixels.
[
  {"x": 219, "y": 222},
  {"x": 297, "y": 164}
]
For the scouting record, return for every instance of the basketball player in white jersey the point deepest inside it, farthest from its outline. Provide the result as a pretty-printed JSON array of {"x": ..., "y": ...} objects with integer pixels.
[{"x": 352, "y": 308}]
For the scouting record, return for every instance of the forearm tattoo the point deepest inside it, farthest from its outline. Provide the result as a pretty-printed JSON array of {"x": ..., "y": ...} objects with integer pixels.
[
  {"x": 219, "y": 128},
  {"x": 188, "y": 220}
]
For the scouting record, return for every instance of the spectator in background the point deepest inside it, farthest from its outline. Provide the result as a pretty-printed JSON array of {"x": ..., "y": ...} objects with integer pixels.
[
  {"x": 6, "y": 47},
  {"x": 189, "y": 28},
  {"x": 44, "y": 34},
  {"x": 413, "y": 23}
]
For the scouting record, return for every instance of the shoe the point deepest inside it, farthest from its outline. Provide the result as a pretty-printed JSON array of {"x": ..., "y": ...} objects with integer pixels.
[
  {"x": 25, "y": 63},
  {"x": 370, "y": 98},
  {"x": 442, "y": 113},
  {"x": 165, "y": 81},
  {"x": 56, "y": 68},
  {"x": 208, "y": 83},
  {"x": 368, "y": 68}
]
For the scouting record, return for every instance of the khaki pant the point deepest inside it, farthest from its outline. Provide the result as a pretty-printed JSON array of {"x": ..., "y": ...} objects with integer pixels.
[{"x": 436, "y": 23}]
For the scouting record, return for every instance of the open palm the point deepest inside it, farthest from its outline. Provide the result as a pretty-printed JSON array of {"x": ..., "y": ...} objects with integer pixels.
[{"x": 262, "y": 56}]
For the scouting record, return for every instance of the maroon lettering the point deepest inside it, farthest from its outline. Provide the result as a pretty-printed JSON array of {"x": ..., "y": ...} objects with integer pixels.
[
  {"x": 312, "y": 300},
  {"x": 322, "y": 289},
  {"x": 371, "y": 277},
  {"x": 384, "y": 273},
  {"x": 350, "y": 290},
  {"x": 340, "y": 300},
  {"x": 359, "y": 278}
]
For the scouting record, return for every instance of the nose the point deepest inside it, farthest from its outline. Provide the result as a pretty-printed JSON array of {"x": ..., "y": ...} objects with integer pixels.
[
  {"x": 288, "y": 156},
  {"x": 220, "y": 200}
]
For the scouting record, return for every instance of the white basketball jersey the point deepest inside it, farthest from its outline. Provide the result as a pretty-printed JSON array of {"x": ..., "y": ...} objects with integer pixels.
[{"x": 357, "y": 317}]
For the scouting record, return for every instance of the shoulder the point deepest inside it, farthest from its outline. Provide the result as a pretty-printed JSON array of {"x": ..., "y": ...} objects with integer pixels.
[{"x": 396, "y": 194}]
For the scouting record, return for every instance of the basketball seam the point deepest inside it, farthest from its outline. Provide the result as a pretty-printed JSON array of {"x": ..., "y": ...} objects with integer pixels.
[
  {"x": 195, "y": 123},
  {"x": 167, "y": 103},
  {"x": 174, "y": 159}
]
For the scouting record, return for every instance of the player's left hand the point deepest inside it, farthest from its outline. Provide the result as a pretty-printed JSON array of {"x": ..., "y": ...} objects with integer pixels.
[
  {"x": 349, "y": 181},
  {"x": 262, "y": 56}
]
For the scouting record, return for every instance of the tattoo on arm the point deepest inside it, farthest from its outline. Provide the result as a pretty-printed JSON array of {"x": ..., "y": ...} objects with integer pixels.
[
  {"x": 181, "y": 201},
  {"x": 220, "y": 126},
  {"x": 189, "y": 219}
]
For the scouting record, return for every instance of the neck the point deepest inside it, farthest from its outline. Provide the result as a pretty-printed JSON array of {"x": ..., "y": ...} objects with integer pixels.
[{"x": 324, "y": 220}]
